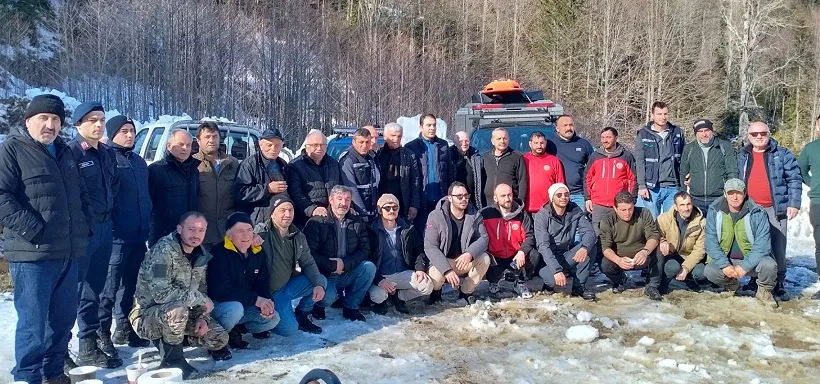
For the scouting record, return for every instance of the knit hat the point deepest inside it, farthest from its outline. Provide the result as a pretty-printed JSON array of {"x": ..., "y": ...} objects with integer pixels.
[
  {"x": 46, "y": 104},
  {"x": 114, "y": 125},
  {"x": 734, "y": 185},
  {"x": 271, "y": 133},
  {"x": 84, "y": 109},
  {"x": 702, "y": 123},
  {"x": 387, "y": 198},
  {"x": 278, "y": 200},
  {"x": 236, "y": 218},
  {"x": 555, "y": 187}
]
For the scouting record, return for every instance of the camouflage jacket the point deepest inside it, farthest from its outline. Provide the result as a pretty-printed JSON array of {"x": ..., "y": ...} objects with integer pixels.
[{"x": 166, "y": 275}]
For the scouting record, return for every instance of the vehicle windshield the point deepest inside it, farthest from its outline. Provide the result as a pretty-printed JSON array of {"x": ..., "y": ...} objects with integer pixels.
[
  {"x": 519, "y": 136},
  {"x": 337, "y": 145}
]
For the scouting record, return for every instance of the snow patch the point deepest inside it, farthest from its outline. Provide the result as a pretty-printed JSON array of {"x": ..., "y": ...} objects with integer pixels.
[
  {"x": 646, "y": 341},
  {"x": 584, "y": 316},
  {"x": 581, "y": 333}
]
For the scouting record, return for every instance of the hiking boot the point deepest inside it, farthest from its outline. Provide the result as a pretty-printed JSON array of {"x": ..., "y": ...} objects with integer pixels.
[
  {"x": 379, "y": 308},
  {"x": 780, "y": 291},
  {"x": 105, "y": 345},
  {"x": 319, "y": 313},
  {"x": 305, "y": 323},
  {"x": 172, "y": 357},
  {"x": 523, "y": 290},
  {"x": 122, "y": 333},
  {"x": 494, "y": 288},
  {"x": 751, "y": 286},
  {"x": 583, "y": 293},
  {"x": 619, "y": 288},
  {"x": 816, "y": 296},
  {"x": 733, "y": 286},
  {"x": 693, "y": 285},
  {"x": 62, "y": 379},
  {"x": 261, "y": 335},
  {"x": 435, "y": 297},
  {"x": 664, "y": 287},
  {"x": 765, "y": 296},
  {"x": 652, "y": 293},
  {"x": 468, "y": 297},
  {"x": 399, "y": 304},
  {"x": 68, "y": 363},
  {"x": 221, "y": 354},
  {"x": 353, "y": 314},
  {"x": 90, "y": 354},
  {"x": 235, "y": 339}
]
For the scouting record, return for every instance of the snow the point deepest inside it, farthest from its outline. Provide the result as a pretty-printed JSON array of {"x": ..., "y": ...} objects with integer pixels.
[
  {"x": 646, "y": 341},
  {"x": 410, "y": 128},
  {"x": 582, "y": 333},
  {"x": 584, "y": 316}
]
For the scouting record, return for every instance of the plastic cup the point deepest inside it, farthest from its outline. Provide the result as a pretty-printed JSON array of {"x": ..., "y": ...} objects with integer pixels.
[
  {"x": 82, "y": 373},
  {"x": 134, "y": 371}
]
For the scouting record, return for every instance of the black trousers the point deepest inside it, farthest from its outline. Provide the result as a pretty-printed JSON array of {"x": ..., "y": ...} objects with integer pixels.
[{"x": 653, "y": 265}]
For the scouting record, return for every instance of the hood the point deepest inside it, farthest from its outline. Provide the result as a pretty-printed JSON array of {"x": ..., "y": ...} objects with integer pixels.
[
  {"x": 444, "y": 206},
  {"x": 517, "y": 208},
  {"x": 619, "y": 150}
]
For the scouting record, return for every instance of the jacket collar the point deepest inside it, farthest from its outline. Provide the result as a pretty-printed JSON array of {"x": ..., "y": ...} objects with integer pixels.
[{"x": 228, "y": 244}]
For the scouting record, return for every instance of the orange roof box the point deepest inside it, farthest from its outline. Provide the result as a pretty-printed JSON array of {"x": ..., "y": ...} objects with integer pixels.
[{"x": 502, "y": 86}]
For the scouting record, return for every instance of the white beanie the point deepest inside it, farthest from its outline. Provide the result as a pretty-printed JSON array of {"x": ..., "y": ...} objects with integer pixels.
[{"x": 555, "y": 187}]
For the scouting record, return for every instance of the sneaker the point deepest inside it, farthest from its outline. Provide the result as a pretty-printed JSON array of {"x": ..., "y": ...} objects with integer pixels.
[
  {"x": 399, "y": 304},
  {"x": 319, "y": 313},
  {"x": 221, "y": 354},
  {"x": 523, "y": 290},
  {"x": 765, "y": 296},
  {"x": 816, "y": 296},
  {"x": 379, "y": 308},
  {"x": 261, "y": 335},
  {"x": 435, "y": 297},
  {"x": 780, "y": 291},
  {"x": 652, "y": 293},
  {"x": 494, "y": 288},
  {"x": 105, "y": 344},
  {"x": 353, "y": 314},
  {"x": 62, "y": 379},
  {"x": 468, "y": 297},
  {"x": 305, "y": 323},
  {"x": 235, "y": 339}
]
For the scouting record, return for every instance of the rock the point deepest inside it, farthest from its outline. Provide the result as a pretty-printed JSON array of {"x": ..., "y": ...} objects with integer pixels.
[
  {"x": 581, "y": 333},
  {"x": 584, "y": 316},
  {"x": 732, "y": 362},
  {"x": 668, "y": 363},
  {"x": 687, "y": 367}
]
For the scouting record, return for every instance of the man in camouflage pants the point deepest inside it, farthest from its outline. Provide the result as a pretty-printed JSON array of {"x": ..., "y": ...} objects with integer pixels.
[{"x": 171, "y": 301}]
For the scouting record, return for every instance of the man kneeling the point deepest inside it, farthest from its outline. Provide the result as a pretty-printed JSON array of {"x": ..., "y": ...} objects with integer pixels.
[
  {"x": 239, "y": 283},
  {"x": 171, "y": 302},
  {"x": 738, "y": 242},
  {"x": 401, "y": 265},
  {"x": 564, "y": 236},
  {"x": 682, "y": 243}
]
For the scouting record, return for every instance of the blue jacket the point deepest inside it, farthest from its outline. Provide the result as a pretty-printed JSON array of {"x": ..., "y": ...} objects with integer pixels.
[
  {"x": 574, "y": 154},
  {"x": 132, "y": 210},
  {"x": 785, "y": 179},
  {"x": 756, "y": 222},
  {"x": 444, "y": 165}
]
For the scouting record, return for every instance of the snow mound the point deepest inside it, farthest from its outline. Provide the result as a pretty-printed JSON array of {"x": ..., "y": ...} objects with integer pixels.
[
  {"x": 581, "y": 333},
  {"x": 646, "y": 341},
  {"x": 584, "y": 317}
]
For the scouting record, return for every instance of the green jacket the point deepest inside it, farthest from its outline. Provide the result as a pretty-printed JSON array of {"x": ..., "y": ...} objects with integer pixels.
[
  {"x": 809, "y": 161},
  {"x": 707, "y": 174},
  {"x": 751, "y": 231}
]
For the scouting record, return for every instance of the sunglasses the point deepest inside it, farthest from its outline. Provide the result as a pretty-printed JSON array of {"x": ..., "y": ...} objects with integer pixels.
[
  {"x": 462, "y": 197},
  {"x": 756, "y": 134},
  {"x": 562, "y": 194},
  {"x": 390, "y": 208}
]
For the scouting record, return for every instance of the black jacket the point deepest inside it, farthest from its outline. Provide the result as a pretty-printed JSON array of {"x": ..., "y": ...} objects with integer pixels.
[
  {"x": 174, "y": 190},
  {"x": 444, "y": 168},
  {"x": 509, "y": 169},
  {"x": 320, "y": 232},
  {"x": 251, "y": 189},
  {"x": 412, "y": 247},
  {"x": 309, "y": 184},
  {"x": 409, "y": 176},
  {"x": 468, "y": 171},
  {"x": 132, "y": 211},
  {"x": 707, "y": 174},
  {"x": 360, "y": 174},
  {"x": 231, "y": 277},
  {"x": 44, "y": 206},
  {"x": 98, "y": 166}
]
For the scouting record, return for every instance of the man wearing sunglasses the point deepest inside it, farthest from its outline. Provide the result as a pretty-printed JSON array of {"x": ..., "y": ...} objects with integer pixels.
[
  {"x": 401, "y": 273},
  {"x": 456, "y": 243},
  {"x": 774, "y": 182},
  {"x": 810, "y": 164}
]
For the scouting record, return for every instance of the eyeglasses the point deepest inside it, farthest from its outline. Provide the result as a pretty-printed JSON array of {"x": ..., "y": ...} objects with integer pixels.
[
  {"x": 561, "y": 194},
  {"x": 316, "y": 145},
  {"x": 462, "y": 197},
  {"x": 756, "y": 134},
  {"x": 390, "y": 208}
]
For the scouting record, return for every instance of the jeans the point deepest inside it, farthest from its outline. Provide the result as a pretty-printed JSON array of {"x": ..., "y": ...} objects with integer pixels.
[
  {"x": 778, "y": 230},
  {"x": 814, "y": 219},
  {"x": 579, "y": 272},
  {"x": 579, "y": 200},
  {"x": 660, "y": 200},
  {"x": 354, "y": 282},
  {"x": 93, "y": 273},
  {"x": 765, "y": 271},
  {"x": 703, "y": 204},
  {"x": 118, "y": 295},
  {"x": 298, "y": 287},
  {"x": 653, "y": 266},
  {"x": 230, "y": 313},
  {"x": 45, "y": 298}
]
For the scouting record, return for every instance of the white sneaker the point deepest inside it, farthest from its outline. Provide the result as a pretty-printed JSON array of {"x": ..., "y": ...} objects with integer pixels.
[
  {"x": 494, "y": 288},
  {"x": 522, "y": 290}
]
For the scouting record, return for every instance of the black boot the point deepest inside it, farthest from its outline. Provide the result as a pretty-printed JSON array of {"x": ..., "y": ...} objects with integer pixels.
[
  {"x": 583, "y": 293},
  {"x": 664, "y": 287},
  {"x": 468, "y": 297},
  {"x": 221, "y": 354},
  {"x": 122, "y": 333},
  {"x": 68, "y": 363},
  {"x": 305, "y": 324},
  {"x": 235, "y": 339},
  {"x": 399, "y": 304},
  {"x": 379, "y": 308},
  {"x": 319, "y": 313},
  {"x": 62, "y": 379},
  {"x": 261, "y": 335},
  {"x": 172, "y": 357},
  {"x": 134, "y": 341},
  {"x": 779, "y": 291},
  {"x": 751, "y": 286},
  {"x": 353, "y": 314},
  {"x": 90, "y": 354},
  {"x": 693, "y": 285},
  {"x": 435, "y": 297},
  {"x": 105, "y": 344},
  {"x": 652, "y": 293}
]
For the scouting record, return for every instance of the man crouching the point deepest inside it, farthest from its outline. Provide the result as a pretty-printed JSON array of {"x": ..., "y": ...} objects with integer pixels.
[{"x": 170, "y": 300}]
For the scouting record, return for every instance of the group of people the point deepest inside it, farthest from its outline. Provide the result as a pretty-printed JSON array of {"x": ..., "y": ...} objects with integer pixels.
[{"x": 201, "y": 249}]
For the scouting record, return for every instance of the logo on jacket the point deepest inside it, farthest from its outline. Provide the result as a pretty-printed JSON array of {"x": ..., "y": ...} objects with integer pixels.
[
  {"x": 86, "y": 164},
  {"x": 619, "y": 165},
  {"x": 84, "y": 146},
  {"x": 547, "y": 168},
  {"x": 579, "y": 149},
  {"x": 515, "y": 226}
]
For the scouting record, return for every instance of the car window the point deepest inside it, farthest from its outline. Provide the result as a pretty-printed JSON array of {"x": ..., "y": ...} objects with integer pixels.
[
  {"x": 153, "y": 143},
  {"x": 519, "y": 137},
  {"x": 140, "y": 140}
]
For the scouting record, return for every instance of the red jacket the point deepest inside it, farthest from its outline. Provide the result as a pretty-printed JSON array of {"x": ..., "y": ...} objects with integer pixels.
[
  {"x": 508, "y": 234},
  {"x": 543, "y": 172},
  {"x": 608, "y": 174}
]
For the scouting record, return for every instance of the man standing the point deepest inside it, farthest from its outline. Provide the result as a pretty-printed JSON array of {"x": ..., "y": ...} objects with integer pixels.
[
  {"x": 611, "y": 169},
  {"x": 467, "y": 168},
  {"x": 658, "y": 150},
  {"x": 173, "y": 183},
  {"x": 775, "y": 184},
  {"x": 374, "y": 136},
  {"x": 456, "y": 243},
  {"x": 565, "y": 240},
  {"x": 401, "y": 273},
  {"x": 707, "y": 163},
  {"x": 502, "y": 165},
  {"x": 285, "y": 248},
  {"x": 809, "y": 164},
  {"x": 574, "y": 152},
  {"x": 45, "y": 238},
  {"x": 511, "y": 242},
  {"x": 399, "y": 172},
  {"x": 97, "y": 165},
  {"x": 131, "y": 218},
  {"x": 340, "y": 245},
  {"x": 312, "y": 175},
  {"x": 543, "y": 170},
  {"x": 738, "y": 243},
  {"x": 239, "y": 284},
  {"x": 629, "y": 238},
  {"x": 683, "y": 236},
  {"x": 360, "y": 174},
  {"x": 171, "y": 298},
  {"x": 261, "y": 176},
  {"x": 217, "y": 173},
  {"x": 436, "y": 167}
]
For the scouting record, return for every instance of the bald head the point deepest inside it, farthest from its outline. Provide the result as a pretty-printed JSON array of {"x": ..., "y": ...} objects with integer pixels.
[
  {"x": 759, "y": 135},
  {"x": 503, "y": 197},
  {"x": 462, "y": 141},
  {"x": 179, "y": 144}
]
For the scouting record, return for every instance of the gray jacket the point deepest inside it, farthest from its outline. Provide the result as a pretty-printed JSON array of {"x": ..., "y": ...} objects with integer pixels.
[
  {"x": 556, "y": 235},
  {"x": 474, "y": 238}
]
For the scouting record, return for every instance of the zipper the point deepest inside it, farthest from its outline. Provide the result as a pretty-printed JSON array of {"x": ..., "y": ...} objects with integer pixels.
[{"x": 705, "y": 168}]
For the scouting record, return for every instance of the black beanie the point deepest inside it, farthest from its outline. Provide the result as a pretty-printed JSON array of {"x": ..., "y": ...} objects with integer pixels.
[
  {"x": 84, "y": 109},
  {"x": 237, "y": 217},
  {"x": 278, "y": 200},
  {"x": 114, "y": 125},
  {"x": 46, "y": 104}
]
